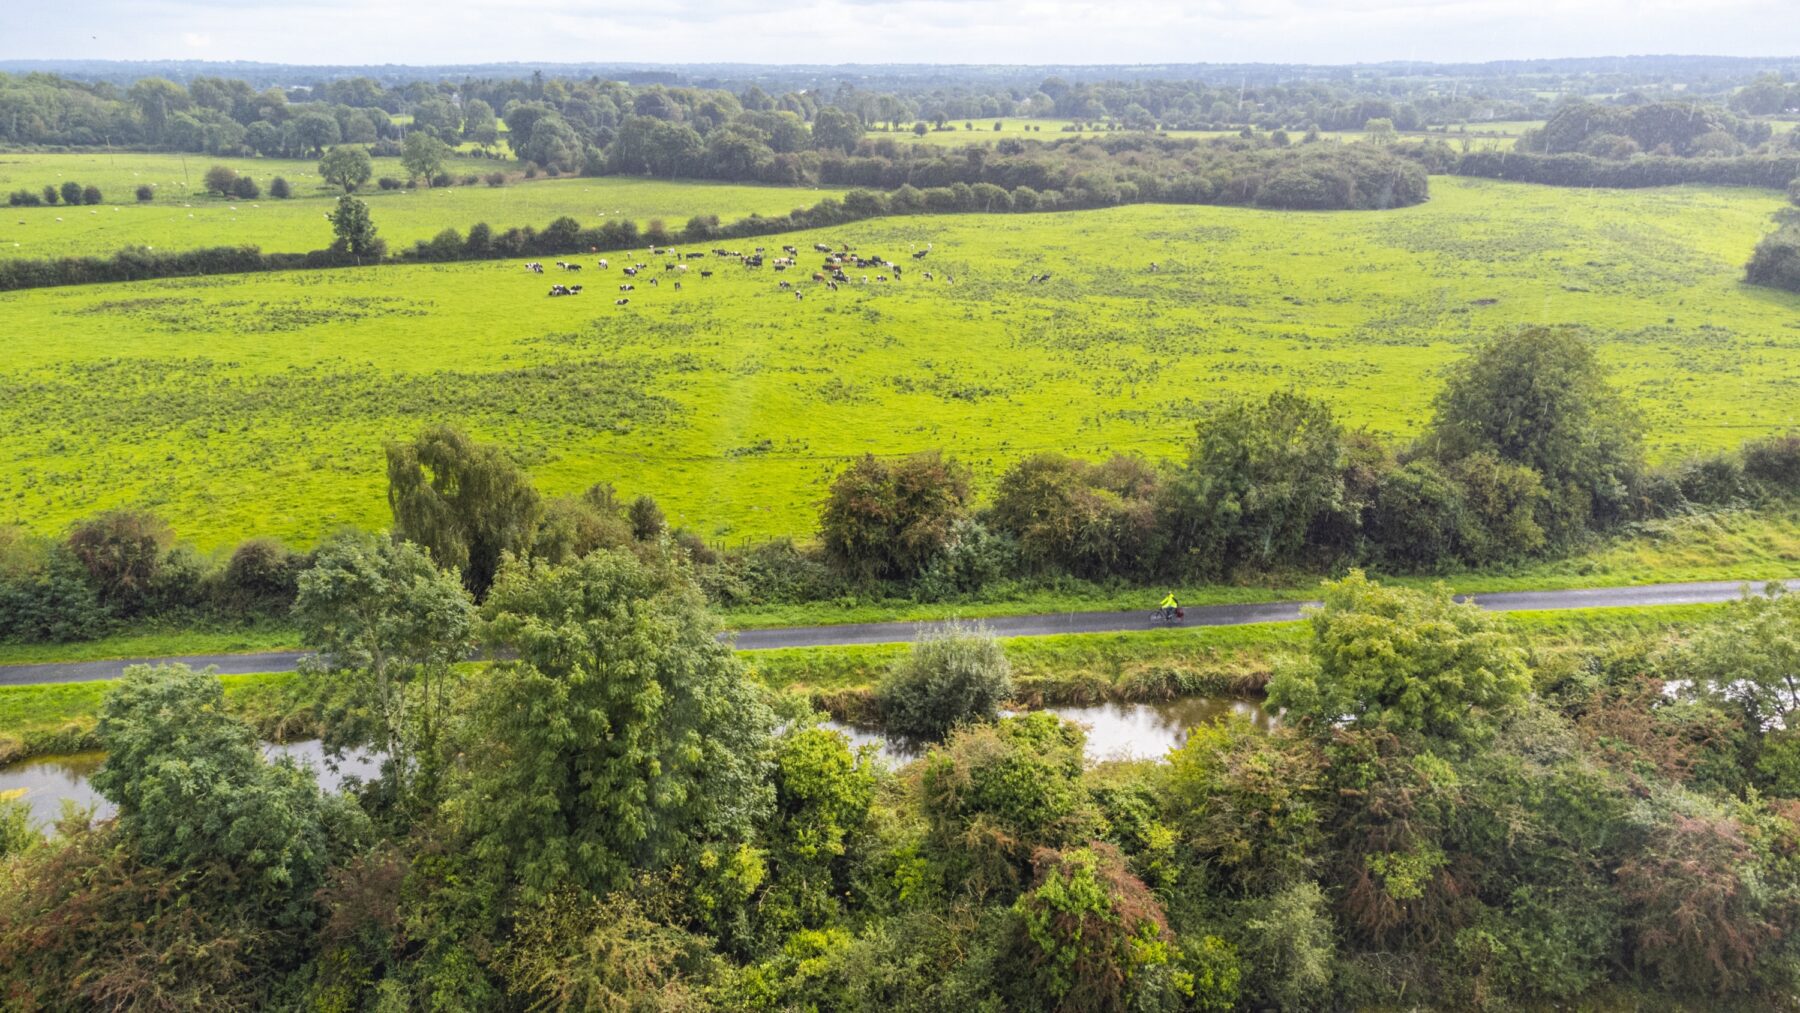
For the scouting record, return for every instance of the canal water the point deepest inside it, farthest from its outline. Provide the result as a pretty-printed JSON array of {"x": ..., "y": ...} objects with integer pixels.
[
  {"x": 1115, "y": 731},
  {"x": 49, "y": 780}
]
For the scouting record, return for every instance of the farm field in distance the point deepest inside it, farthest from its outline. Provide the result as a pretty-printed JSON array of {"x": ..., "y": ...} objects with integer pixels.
[
  {"x": 182, "y": 217},
  {"x": 237, "y": 406}
]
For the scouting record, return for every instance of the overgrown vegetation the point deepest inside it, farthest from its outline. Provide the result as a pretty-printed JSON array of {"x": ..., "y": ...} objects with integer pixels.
[{"x": 616, "y": 813}]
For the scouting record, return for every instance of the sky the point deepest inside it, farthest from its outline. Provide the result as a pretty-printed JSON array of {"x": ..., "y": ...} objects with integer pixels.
[{"x": 903, "y": 31}]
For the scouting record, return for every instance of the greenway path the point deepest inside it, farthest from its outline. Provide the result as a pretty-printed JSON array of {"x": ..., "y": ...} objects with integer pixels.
[{"x": 850, "y": 634}]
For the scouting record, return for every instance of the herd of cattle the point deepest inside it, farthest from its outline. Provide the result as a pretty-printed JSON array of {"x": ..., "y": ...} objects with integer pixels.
[{"x": 834, "y": 271}]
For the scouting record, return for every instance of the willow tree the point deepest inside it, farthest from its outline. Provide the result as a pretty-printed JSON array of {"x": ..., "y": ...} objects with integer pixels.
[{"x": 466, "y": 502}]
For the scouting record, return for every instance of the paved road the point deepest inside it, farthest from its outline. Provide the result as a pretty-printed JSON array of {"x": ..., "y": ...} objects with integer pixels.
[{"x": 1007, "y": 626}]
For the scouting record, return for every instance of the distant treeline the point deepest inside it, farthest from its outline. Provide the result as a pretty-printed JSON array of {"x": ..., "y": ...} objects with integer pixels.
[
  {"x": 1116, "y": 172},
  {"x": 1529, "y": 453},
  {"x": 1771, "y": 171}
]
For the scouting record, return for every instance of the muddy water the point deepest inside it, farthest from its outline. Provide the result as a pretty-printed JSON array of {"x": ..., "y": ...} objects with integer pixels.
[
  {"x": 1116, "y": 731},
  {"x": 49, "y": 780}
]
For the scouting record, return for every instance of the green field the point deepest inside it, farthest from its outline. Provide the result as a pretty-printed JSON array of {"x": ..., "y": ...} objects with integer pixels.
[
  {"x": 182, "y": 218},
  {"x": 258, "y": 404}
]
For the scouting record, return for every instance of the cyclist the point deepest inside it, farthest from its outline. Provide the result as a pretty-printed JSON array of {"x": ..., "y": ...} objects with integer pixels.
[{"x": 1169, "y": 606}]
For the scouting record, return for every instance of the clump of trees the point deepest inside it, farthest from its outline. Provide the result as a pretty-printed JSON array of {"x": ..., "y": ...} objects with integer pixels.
[
  {"x": 1776, "y": 261},
  {"x": 70, "y": 193}
]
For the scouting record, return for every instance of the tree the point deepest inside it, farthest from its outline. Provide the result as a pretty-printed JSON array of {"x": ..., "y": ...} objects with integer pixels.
[
  {"x": 1260, "y": 475},
  {"x": 1415, "y": 663},
  {"x": 316, "y": 131},
  {"x": 1748, "y": 657},
  {"x": 836, "y": 129},
  {"x": 354, "y": 231},
  {"x": 1381, "y": 130},
  {"x": 466, "y": 502},
  {"x": 71, "y": 193},
  {"x": 279, "y": 189},
  {"x": 245, "y": 189},
  {"x": 193, "y": 791},
  {"x": 1086, "y": 932},
  {"x": 220, "y": 179},
  {"x": 1540, "y": 398},
  {"x": 347, "y": 166},
  {"x": 1793, "y": 190},
  {"x": 91, "y": 195},
  {"x": 423, "y": 155},
  {"x": 145, "y": 193},
  {"x": 380, "y": 610},
  {"x": 951, "y": 676},
  {"x": 887, "y": 520},
  {"x": 625, "y": 737}
]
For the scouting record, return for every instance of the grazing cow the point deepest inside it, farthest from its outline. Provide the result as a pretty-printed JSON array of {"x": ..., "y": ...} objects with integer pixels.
[
  {"x": 620, "y": 302},
  {"x": 927, "y": 275},
  {"x": 571, "y": 267},
  {"x": 822, "y": 247},
  {"x": 881, "y": 277},
  {"x": 678, "y": 286},
  {"x": 897, "y": 272},
  {"x": 817, "y": 276},
  {"x": 680, "y": 268},
  {"x": 1155, "y": 267},
  {"x": 603, "y": 264},
  {"x": 799, "y": 294},
  {"x": 784, "y": 286},
  {"x": 790, "y": 251},
  {"x": 832, "y": 285},
  {"x": 705, "y": 274},
  {"x": 631, "y": 271},
  {"x": 920, "y": 255},
  {"x": 656, "y": 281},
  {"x": 575, "y": 289},
  {"x": 627, "y": 288}
]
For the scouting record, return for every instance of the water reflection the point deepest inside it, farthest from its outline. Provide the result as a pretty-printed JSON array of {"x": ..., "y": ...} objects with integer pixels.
[
  {"x": 1116, "y": 731},
  {"x": 49, "y": 780}
]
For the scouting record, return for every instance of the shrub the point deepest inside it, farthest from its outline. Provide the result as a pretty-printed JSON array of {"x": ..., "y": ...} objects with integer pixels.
[
  {"x": 1775, "y": 462},
  {"x": 1776, "y": 261},
  {"x": 245, "y": 189},
  {"x": 442, "y": 179},
  {"x": 51, "y": 196},
  {"x": 470, "y": 179},
  {"x": 647, "y": 523},
  {"x": 71, "y": 193},
  {"x": 261, "y": 577},
  {"x": 145, "y": 193},
  {"x": 279, "y": 189},
  {"x": 495, "y": 178},
  {"x": 27, "y": 199},
  {"x": 220, "y": 179},
  {"x": 388, "y": 183},
  {"x": 47, "y": 596},
  {"x": 1085, "y": 933},
  {"x": 889, "y": 520},
  {"x": 91, "y": 195},
  {"x": 123, "y": 551},
  {"x": 952, "y": 676}
]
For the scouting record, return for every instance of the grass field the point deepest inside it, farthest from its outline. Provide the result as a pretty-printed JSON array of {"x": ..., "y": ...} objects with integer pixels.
[
  {"x": 182, "y": 219},
  {"x": 258, "y": 404}
]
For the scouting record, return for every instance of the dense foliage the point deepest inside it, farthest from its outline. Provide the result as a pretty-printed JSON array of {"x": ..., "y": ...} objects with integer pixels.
[{"x": 1448, "y": 817}]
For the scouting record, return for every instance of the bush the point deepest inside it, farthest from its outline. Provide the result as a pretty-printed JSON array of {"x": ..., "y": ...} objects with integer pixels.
[
  {"x": 388, "y": 183},
  {"x": 51, "y": 196},
  {"x": 261, "y": 578},
  {"x": 27, "y": 199},
  {"x": 279, "y": 189},
  {"x": 470, "y": 179},
  {"x": 495, "y": 178},
  {"x": 442, "y": 179},
  {"x": 1775, "y": 462},
  {"x": 145, "y": 193},
  {"x": 245, "y": 189},
  {"x": 1085, "y": 934},
  {"x": 952, "y": 676},
  {"x": 71, "y": 193},
  {"x": 91, "y": 195},
  {"x": 47, "y": 596},
  {"x": 1776, "y": 261},
  {"x": 890, "y": 520},
  {"x": 123, "y": 551}
]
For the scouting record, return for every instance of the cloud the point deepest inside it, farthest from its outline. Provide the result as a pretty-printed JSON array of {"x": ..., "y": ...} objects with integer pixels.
[{"x": 910, "y": 31}]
